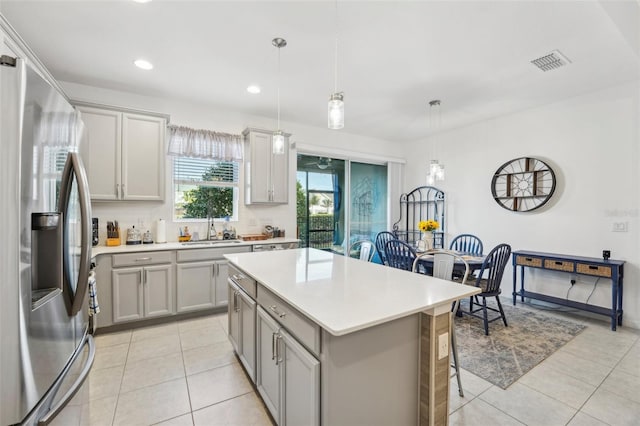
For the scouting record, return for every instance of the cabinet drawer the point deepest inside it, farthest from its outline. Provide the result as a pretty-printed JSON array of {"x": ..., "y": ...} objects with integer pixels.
[
  {"x": 559, "y": 265},
  {"x": 142, "y": 258},
  {"x": 597, "y": 270},
  {"x": 245, "y": 282},
  {"x": 197, "y": 254},
  {"x": 535, "y": 262},
  {"x": 307, "y": 332}
]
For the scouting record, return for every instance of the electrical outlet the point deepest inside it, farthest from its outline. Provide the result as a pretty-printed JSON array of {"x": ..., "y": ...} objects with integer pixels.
[
  {"x": 443, "y": 345},
  {"x": 619, "y": 227}
]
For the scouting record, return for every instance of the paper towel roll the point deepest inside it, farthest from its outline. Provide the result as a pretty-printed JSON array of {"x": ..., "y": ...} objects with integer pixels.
[{"x": 161, "y": 231}]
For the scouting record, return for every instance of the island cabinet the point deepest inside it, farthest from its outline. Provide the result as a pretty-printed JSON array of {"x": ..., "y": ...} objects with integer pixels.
[
  {"x": 202, "y": 277},
  {"x": 242, "y": 319},
  {"x": 126, "y": 153},
  {"x": 267, "y": 174},
  {"x": 339, "y": 341},
  {"x": 141, "y": 292}
]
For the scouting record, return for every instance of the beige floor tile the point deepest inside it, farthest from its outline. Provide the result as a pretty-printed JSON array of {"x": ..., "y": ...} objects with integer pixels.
[
  {"x": 197, "y": 323},
  {"x": 245, "y": 410},
  {"x": 551, "y": 381},
  {"x": 154, "y": 331},
  {"x": 202, "y": 337},
  {"x": 611, "y": 408},
  {"x": 153, "y": 404},
  {"x": 111, "y": 339},
  {"x": 152, "y": 371},
  {"x": 69, "y": 416},
  {"x": 579, "y": 368},
  {"x": 103, "y": 383},
  {"x": 216, "y": 385},
  {"x": 110, "y": 356},
  {"x": 472, "y": 383},
  {"x": 207, "y": 357},
  {"x": 528, "y": 406},
  {"x": 184, "y": 420},
  {"x": 99, "y": 412},
  {"x": 623, "y": 384},
  {"x": 631, "y": 361},
  {"x": 582, "y": 419},
  {"x": 606, "y": 348},
  {"x": 153, "y": 347},
  {"x": 224, "y": 321},
  {"x": 478, "y": 412},
  {"x": 455, "y": 400}
]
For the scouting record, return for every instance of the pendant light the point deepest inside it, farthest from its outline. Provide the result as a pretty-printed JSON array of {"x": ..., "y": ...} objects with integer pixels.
[
  {"x": 336, "y": 100},
  {"x": 278, "y": 136},
  {"x": 436, "y": 170}
]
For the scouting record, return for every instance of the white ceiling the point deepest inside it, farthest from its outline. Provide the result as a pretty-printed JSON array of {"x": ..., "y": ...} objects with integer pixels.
[{"x": 394, "y": 56}]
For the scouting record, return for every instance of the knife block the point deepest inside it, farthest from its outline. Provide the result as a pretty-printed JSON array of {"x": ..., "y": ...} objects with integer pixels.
[{"x": 112, "y": 242}]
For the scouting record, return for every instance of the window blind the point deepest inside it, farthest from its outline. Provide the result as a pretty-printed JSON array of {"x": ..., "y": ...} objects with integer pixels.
[{"x": 203, "y": 172}]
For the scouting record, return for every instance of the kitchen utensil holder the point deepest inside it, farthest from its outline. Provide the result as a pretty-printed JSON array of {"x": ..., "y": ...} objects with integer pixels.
[{"x": 115, "y": 241}]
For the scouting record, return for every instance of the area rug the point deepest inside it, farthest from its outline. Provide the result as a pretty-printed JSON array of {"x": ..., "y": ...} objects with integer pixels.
[{"x": 509, "y": 352}]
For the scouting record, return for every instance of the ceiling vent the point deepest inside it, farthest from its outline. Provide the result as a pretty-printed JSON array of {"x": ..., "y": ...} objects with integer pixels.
[{"x": 551, "y": 61}]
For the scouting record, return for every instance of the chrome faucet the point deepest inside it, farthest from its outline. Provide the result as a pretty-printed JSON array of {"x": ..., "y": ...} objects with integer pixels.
[{"x": 212, "y": 234}]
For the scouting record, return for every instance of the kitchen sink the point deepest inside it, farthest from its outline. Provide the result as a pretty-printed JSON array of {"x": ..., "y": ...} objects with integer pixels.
[{"x": 209, "y": 243}]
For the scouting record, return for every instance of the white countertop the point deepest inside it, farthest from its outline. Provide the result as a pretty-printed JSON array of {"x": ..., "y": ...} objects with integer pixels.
[
  {"x": 133, "y": 248},
  {"x": 344, "y": 295}
]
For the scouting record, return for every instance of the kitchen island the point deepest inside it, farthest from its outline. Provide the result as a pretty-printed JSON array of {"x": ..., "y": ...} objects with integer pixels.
[{"x": 338, "y": 341}]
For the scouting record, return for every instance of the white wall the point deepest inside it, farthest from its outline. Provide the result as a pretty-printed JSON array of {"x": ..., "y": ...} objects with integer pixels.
[
  {"x": 252, "y": 219},
  {"x": 592, "y": 143}
]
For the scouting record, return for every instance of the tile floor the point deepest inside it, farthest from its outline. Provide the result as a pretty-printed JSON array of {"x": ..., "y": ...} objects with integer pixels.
[{"x": 185, "y": 373}]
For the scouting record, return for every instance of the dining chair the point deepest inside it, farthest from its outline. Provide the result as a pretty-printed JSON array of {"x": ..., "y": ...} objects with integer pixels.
[
  {"x": 443, "y": 265},
  {"x": 493, "y": 266},
  {"x": 467, "y": 243},
  {"x": 362, "y": 249},
  {"x": 381, "y": 240},
  {"x": 400, "y": 255}
]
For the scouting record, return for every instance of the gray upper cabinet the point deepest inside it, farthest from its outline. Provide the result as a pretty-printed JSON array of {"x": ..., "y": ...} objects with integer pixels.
[
  {"x": 125, "y": 159},
  {"x": 266, "y": 173}
]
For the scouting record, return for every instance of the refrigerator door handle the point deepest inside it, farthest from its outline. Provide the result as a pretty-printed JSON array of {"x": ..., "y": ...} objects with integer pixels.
[
  {"x": 54, "y": 411},
  {"x": 72, "y": 167}
]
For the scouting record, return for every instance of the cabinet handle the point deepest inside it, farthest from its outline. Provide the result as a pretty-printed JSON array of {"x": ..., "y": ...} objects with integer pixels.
[
  {"x": 236, "y": 302},
  {"x": 273, "y": 346},
  {"x": 122, "y": 186},
  {"x": 146, "y": 276},
  {"x": 558, "y": 263},
  {"x": 593, "y": 267},
  {"x": 143, "y": 259},
  {"x": 117, "y": 190},
  {"x": 213, "y": 270},
  {"x": 141, "y": 281},
  {"x": 528, "y": 259},
  {"x": 278, "y": 360},
  {"x": 274, "y": 309}
]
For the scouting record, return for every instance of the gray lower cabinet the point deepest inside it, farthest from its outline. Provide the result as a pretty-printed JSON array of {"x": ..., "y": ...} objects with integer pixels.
[
  {"x": 242, "y": 327},
  {"x": 288, "y": 376},
  {"x": 143, "y": 292},
  {"x": 196, "y": 285}
]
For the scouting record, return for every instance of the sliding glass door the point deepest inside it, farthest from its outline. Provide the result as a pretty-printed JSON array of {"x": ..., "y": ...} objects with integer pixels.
[{"x": 339, "y": 202}]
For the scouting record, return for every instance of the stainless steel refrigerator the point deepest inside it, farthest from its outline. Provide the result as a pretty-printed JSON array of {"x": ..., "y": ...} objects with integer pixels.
[{"x": 45, "y": 248}]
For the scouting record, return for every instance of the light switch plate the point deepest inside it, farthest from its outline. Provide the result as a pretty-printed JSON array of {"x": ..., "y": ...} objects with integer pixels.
[
  {"x": 443, "y": 345},
  {"x": 619, "y": 227}
]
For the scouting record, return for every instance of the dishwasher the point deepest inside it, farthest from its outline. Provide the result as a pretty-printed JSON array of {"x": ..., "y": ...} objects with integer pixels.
[{"x": 274, "y": 246}]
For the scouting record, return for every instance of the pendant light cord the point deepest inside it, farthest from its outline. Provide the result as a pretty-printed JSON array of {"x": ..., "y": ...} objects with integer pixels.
[
  {"x": 335, "y": 81},
  {"x": 278, "y": 88}
]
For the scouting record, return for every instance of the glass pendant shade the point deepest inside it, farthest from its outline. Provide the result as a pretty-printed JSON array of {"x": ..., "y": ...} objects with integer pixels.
[
  {"x": 336, "y": 111},
  {"x": 278, "y": 142}
]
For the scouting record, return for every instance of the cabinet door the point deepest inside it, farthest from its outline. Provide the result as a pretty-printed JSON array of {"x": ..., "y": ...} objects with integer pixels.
[
  {"x": 143, "y": 157},
  {"x": 102, "y": 138},
  {"x": 196, "y": 286},
  {"x": 248, "y": 333},
  {"x": 127, "y": 294},
  {"x": 158, "y": 291},
  {"x": 222, "y": 273},
  {"x": 301, "y": 387},
  {"x": 280, "y": 175},
  {"x": 260, "y": 166},
  {"x": 267, "y": 364},
  {"x": 234, "y": 317}
]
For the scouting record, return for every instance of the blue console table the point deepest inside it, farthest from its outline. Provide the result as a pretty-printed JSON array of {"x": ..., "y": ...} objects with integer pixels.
[{"x": 609, "y": 269}]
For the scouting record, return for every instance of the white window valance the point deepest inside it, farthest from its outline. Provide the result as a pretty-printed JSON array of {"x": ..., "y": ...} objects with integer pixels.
[{"x": 187, "y": 142}]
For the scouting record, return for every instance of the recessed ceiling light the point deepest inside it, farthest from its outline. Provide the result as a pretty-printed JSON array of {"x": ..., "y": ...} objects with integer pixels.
[
  {"x": 142, "y": 1},
  {"x": 253, "y": 89},
  {"x": 145, "y": 65}
]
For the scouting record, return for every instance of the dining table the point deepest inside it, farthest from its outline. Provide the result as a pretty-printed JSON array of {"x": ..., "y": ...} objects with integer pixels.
[{"x": 474, "y": 261}]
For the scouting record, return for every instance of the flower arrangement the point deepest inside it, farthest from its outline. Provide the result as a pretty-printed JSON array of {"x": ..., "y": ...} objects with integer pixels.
[{"x": 428, "y": 225}]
